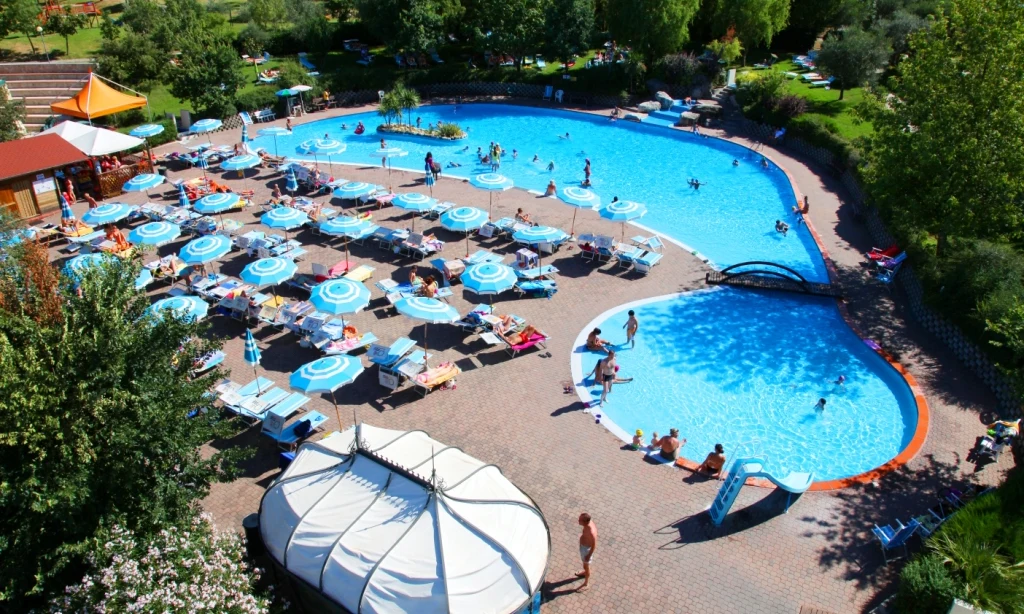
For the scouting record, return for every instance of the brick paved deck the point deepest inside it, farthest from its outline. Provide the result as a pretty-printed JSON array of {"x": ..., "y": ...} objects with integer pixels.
[{"x": 658, "y": 551}]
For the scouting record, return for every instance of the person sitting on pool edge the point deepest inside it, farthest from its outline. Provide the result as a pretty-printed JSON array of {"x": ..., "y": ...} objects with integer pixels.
[
  {"x": 713, "y": 463},
  {"x": 552, "y": 189},
  {"x": 669, "y": 445},
  {"x": 596, "y": 343}
]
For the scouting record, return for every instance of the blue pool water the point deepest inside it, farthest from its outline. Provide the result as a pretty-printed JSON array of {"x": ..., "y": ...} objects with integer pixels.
[
  {"x": 746, "y": 369},
  {"x": 730, "y": 219}
]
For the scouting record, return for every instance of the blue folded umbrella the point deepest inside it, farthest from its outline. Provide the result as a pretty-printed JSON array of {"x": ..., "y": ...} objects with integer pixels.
[
  {"x": 413, "y": 201},
  {"x": 491, "y": 182},
  {"x": 146, "y": 130},
  {"x": 252, "y": 354},
  {"x": 143, "y": 182},
  {"x": 205, "y": 249},
  {"x": 183, "y": 200},
  {"x": 242, "y": 162},
  {"x": 429, "y": 310},
  {"x": 154, "y": 233},
  {"x": 489, "y": 278},
  {"x": 106, "y": 214},
  {"x": 188, "y": 308},
  {"x": 354, "y": 189},
  {"x": 464, "y": 219},
  {"x": 291, "y": 183},
  {"x": 326, "y": 375},
  {"x": 339, "y": 296},
  {"x": 216, "y": 203},
  {"x": 539, "y": 234},
  {"x": 245, "y": 133},
  {"x": 285, "y": 218},
  {"x": 268, "y": 271},
  {"x": 206, "y": 125}
]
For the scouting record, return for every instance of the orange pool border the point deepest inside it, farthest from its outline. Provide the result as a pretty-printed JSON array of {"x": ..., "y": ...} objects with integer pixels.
[{"x": 923, "y": 413}]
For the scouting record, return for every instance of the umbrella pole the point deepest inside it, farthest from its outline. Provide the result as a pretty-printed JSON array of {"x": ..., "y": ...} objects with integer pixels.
[
  {"x": 467, "y": 244},
  {"x": 346, "y": 254},
  {"x": 572, "y": 231},
  {"x": 336, "y": 414},
  {"x": 257, "y": 376},
  {"x": 426, "y": 355},
  {"x": 490, "y": 205}
]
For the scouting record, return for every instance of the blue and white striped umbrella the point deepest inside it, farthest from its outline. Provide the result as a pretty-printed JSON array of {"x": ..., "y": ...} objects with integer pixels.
[
  {"x": 464, "y": 219},
  {"x": 343, "y": 225},
  {"x": 539, "y": 234},
  {"x": 240, "y": 163},
  {"x": 429, "y": 310},
  {"x": 291, "y": 183},
  {"x": 623, "y": 211},
  {"x": 143, "y": 182},
  {"x": 206, "y": 125},
  {"x": 275, "y": 131},
  {"x": 413, "y": 201},
  {"x": 65, "y": 209},
  {"x": 339, "y": 296},
  {"x": 491, "y": 182},
  {"x": 354, "y": 189},
  {"x": 489, "y": 278},
  {"x": 252, "y": 354},
  {"x": 285, "y": 92},
  {"x": 154, "y": 233},
  {"x": 323, "y": 147},
  {"x": 146, "y": 130},
  {"x": 205, "y": 249},
  {"x": 581, "y": 198},
  {"x": 326, "y": 375},
  {"x": 77, "y": 265},
  {"x": 106, "y": 214},
  {"x": 217, "y": 203},
  {"x": 245, "y": 133},
  {"x": 183, "y": 200},
  {"x": 389, "y": 152},
  {"x": 285, "y": 218},
  {"x": 188, "y": 308},
  {"x": 268, "y": 271}
]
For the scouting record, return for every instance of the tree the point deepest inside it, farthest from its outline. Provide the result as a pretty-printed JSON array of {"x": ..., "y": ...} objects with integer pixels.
[
  {"x": 340, "y": 9},
  {"x": 569, "y": 24},
  {"x": 653, "y": 27},
  {"x": 188, "y": 569},
  {"x": 515, "y": 26},
  {"x": 65, "y": 23},
  {"x": 311, "y": 26},
  {"x": 253, "y": 41},
  {"x": 11, "y": 113},
  {"x": 727, "y": 51},
  {"x": 207, "y": 75},
  {"x": 96, "y": 398},
  {"x": 898, "y": 28},
  {"x": 947, "y": 154},
  {"x": 853, "y": 58},
  {"x": 390, "y": 108},
  {"x": 132, "y": 59},
  {"x": 21, "y": 16},
  {"x": 141, "y": 16},
  {"x": 813, "y": 17},
  {"x": 419, "y": 25},
  {"x": 754, "y": 21},
  {"x": 408, "y": 99},
  {"x": 267, "y": 14}
]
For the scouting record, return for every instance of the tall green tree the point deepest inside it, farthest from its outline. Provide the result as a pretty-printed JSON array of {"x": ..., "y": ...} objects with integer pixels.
[
  {"x": 267, "y": 14},
  {"x": 813, "y": 17},
  {"x": 569, "y": 24},
  {"x": 514, "y": 26},
  {"x": 207, "y": 75},
  {"x": 21, "y": 16},
  {"x": 947, "y": 155},
  {"x": 95, "y": 398},
  {"x": 409, "y": 25},
  {"x": 65, "y": 24},
  {"x": 756, "y": 22},
  {"x": 133, "y": 59},
  {"x": 11, "y": 112},
  {"x": 652, "y": 27},
  {"x": 853, "y": 57},
  {"x": 141, "y": 16}
]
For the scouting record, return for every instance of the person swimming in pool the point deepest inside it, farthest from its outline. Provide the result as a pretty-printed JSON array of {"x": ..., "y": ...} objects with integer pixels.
[
  {"x": 735, "y": 162},
  {"x": 536, "y": 158},
  {"x": 566, "y": 137},
  {"x": 453, "y": 165},
  {"x": 694, "y": 183},
  {"x": 820, "y": 406},
  {"x": 840, "y": 381},
  {"x": 782, "y": 227},
  {"x": 551, "y": 165}
]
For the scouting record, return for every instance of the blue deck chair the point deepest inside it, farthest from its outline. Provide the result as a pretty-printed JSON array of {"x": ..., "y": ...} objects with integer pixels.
[
  {"x": 891, "y": 539},
  {"x": 389, "y": 356}
]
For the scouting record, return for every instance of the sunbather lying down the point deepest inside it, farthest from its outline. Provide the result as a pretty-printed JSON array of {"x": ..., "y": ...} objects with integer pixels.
[
  {"x": 522, "y": 337},
  {"x": 506, "y": 325},
  {"x": 438, "y": 375}
]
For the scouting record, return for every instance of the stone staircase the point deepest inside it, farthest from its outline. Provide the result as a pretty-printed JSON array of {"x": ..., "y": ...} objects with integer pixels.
[{"x": 38, "y": 84}]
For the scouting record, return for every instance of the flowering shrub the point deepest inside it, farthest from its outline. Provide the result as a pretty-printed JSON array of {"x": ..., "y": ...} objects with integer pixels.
[{"x": 191, "y": 569}]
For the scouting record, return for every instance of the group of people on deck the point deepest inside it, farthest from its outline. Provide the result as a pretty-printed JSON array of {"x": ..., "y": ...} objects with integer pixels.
[{"x": 668, "y": 448}]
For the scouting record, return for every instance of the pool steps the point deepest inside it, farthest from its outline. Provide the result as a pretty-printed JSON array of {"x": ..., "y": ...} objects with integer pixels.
[{"x": 743, "y": 468}]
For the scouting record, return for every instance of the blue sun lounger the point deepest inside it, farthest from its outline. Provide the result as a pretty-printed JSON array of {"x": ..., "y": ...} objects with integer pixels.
[
  {"x": 891, "y": 539},
  {"x": 288, "y": 437},
  {"x": 538, "y": 287},
  {"x": 254, "y": 408},
  {"x": 390, "y": 356}
]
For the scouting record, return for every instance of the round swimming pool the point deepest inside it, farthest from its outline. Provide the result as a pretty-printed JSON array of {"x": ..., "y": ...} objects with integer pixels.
[
  {"x": 730, "y": 219},
  {"x": 746, "y": 369}
]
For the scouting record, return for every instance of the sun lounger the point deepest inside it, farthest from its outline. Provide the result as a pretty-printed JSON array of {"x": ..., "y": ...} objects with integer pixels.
[
  {"x": 537, "y": 339},
  {"x": 627, "y": 257},
  {"x": 537, "y": 287},
  {"x": 651, "y": 244},
  {"x": 362, "y": 272},
  {"x": 344, "y": 346},
  {"x": 289, "y": 405},
  {"x": 891, "y": 538},
  {"x": 205, "y": 363},
  {"x": 436, "y": 377},
  {"x": 253, "y": 408},
  {"x": 536, "y": 272},
  {"x": 473, "y": 322},
  {"x": 230, "y": 392},
  {"x": 390, "y": 356},
  {"x": 823, "y": 82},
  {"x": 645, "y": 263},
  {"x": 288, "y": 437}
]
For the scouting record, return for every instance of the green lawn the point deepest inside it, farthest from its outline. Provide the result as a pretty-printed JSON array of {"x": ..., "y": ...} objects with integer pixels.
[{"x": 826, "y": 104}]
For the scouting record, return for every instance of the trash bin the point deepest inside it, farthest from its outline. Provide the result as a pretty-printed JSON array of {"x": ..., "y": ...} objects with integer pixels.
[{"x": 253, "y": 539}]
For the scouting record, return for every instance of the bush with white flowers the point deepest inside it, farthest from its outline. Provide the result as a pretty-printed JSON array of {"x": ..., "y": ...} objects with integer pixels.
[{"x": 178, "y": 570}]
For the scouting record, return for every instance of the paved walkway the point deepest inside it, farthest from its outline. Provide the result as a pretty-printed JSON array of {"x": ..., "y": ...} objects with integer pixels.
[{"x": 658, "y": 551}]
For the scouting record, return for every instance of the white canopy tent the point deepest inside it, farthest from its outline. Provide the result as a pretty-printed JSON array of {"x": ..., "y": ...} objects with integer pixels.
[
  {"x": 403, "y": 523},
  {"x": 94, "y": 141}
]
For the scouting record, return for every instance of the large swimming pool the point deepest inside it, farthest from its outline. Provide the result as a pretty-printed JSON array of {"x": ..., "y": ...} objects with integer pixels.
[
  {"x": 746, "y": 369},
  {"x": 730, "y": 219}
]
